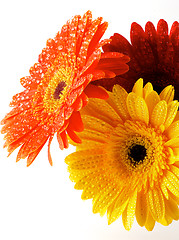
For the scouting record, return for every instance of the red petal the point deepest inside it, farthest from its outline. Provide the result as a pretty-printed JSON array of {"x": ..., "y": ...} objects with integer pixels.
[
  {"x": 163, "y": 39},
  {"x": 118, "y": 44},
  {"x": 141, "y": 47}
]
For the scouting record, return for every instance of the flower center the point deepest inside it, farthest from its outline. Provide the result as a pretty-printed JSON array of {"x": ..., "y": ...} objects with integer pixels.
[
  {"x": 58, "y": 91},
  {"x": 137, "y": 153}
]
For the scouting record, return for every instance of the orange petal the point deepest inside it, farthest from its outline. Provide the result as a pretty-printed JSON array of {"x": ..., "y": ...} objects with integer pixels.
[
  {"x": 75, "y": 122},
  {"x": 73, "y": 136},
  {"x": 93, "y": 91},
  {"x": 49, "y": 154}
]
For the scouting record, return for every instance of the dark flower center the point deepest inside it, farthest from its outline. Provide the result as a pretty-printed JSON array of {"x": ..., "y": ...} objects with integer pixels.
[
  {"x": 59, "y": 89},
  {"x": 137, "y": 153}
]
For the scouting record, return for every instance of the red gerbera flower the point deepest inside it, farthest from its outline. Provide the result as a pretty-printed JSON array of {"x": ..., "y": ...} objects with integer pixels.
[
  {"x": 58, "y": 87},
  {"x": 154, "y": 55}
]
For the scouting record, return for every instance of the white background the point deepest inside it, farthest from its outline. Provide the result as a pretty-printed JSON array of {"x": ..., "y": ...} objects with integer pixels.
[{"x": 39, "y": 202}]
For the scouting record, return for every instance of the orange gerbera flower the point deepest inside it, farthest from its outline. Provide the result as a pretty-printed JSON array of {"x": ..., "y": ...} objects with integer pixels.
[
  {"x": 154, "y": 55},
  {"x": 58, "y": 87}
]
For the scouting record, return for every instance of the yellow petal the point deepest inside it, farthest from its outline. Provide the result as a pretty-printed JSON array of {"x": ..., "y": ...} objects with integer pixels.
[
  {"x": 138, "y": 87},
  {"x": 172, "y": 209},
  {"x": 150, "y": 222},
  {"x": 141, "y": 209},
  {"x": 96, "y": 124},
  {"x": 148, "y": 88},
  {"x": 101, "y": 109},
  {"x": 159, "y": 114},
  {"x": 123, "y": 196},
  {"x": 115, "y": 212},
  {"x": 151, "y": 100},
  {"x": 164, "y": 190},
  {"x": 177, "y": 116},
  {"x": 92, "y": 135},
  {"x": 167, "y": 94},
  {"x": 137, "y": 108},
  {"x": 171, "y": 113},
  {"x": 105, "y": 197},
  {"x": 84, "y": 155},
  {"x": 174, "y": 142},
  {"x": 172, "y": 183},
  {"x": 166, "y": 220},
  {"x": 174, "y": 170},
  {"x": 156, "y": 204},
  {"x": 129, "y": 213},
  {"x": 120, "y": 96},
  {"x": 173, "y": 130}
]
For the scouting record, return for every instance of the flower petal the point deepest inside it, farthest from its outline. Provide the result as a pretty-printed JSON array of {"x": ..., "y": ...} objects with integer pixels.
[
  {"x": 171, "y": 182},
  {"x": 129, "y": 213},
  {"x": 138, "y": 87},
  {"x": 150, "y": 222},
  {"x": 151, "y": 100},
  {"x": 120, "y": 97},
  {"x": 171, "y": 113},
  {"x": 141, "y": 209},
  {"x": 137, "y": 108},
  {"x": 159, "y": 114},
  {"x": 167, "y": 94},
  {"x": 156, "y": 204}
]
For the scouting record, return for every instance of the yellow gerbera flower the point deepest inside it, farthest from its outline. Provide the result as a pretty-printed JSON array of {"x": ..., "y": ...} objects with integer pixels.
[{"x": 128, "y": 161}]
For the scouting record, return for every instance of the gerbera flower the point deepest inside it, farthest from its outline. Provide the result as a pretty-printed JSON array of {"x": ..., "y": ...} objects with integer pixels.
[
  {"x": 58, "y": 87},
  {"x": 154, "y": 55},
  {"x": 128, "y": 162}
]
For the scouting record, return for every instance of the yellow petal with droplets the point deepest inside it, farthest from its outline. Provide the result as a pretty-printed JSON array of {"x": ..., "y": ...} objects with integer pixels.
[
  {"x": 174, "y": 142},
  {"x": 174, "y": 170},
  {"x": 159, "y": 114},
  {"x": 173, "y": 130},
  {"x": 138, "y": 87},
  {"x": 137, "y": 108},
  {"x": 172, "y": 183},
  {"x": 86, "y": 162},
  {"x": 141, "y": 209},
  {"x": 171, "y": 113},
  {"x": 114, "y": 213},
  {"x": 167, "y": 94},
  {"x": 123, "y": 196},
  {"x": 96, "y": 124},
  {"x": 148, "y": 88},
  {"x": 150, "y": 222},
  {"x": 92, "y": 135},
  {"x": 129, "y": 213},
  {"x": 101, "y": 109},
  {"x": 164, "y": 190},
  {"x": 120, "y": 96},
  {"x": 156, "y": 203},
  {"x": 151, "y": 100},
  {"x": 105, "y": 197}
]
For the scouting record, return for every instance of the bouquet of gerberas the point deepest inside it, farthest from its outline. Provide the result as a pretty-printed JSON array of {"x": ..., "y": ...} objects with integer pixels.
[{"x": 118, "y": 106}]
